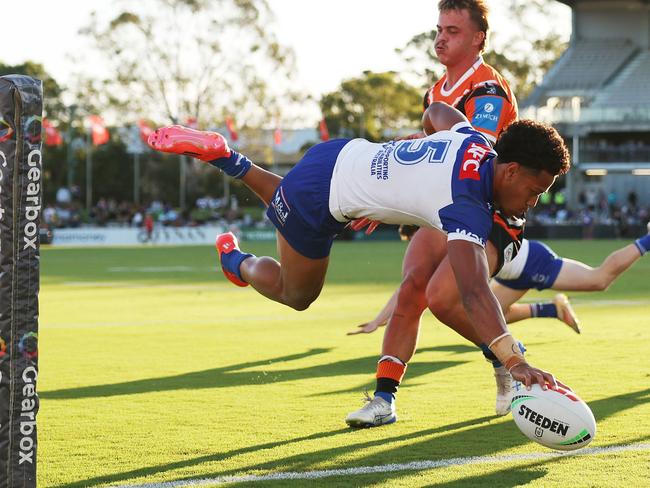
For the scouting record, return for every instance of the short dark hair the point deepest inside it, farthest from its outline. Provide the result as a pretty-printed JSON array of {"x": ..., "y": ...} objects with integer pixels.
[
  {"x": 478, "y": 12},
  {"x": 535, "y": 146}
]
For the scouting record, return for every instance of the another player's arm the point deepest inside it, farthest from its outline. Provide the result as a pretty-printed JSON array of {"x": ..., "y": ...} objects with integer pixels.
[
  {"x": 440, "y": 116},
  {"x": 469, "y": 262}
]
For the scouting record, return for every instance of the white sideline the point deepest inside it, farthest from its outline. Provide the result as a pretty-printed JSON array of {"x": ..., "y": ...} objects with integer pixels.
[{"x": 389, "y": 468}]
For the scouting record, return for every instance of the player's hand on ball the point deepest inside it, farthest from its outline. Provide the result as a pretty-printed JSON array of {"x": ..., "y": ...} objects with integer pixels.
[
  {"x": 359, "y": 224},
  {"x": 366, "y": 328},
  {"x": 528, "y": 375}
]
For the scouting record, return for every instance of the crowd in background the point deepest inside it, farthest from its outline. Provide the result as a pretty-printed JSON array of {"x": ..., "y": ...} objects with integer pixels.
[
  {"x": 605, "y": 151},
  {"x": 593, "y": 207},
  {"x": 69, "y": 212}
]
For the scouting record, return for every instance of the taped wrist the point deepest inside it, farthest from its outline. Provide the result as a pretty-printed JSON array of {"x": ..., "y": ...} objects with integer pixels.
[{"x": 507, "y": 350}]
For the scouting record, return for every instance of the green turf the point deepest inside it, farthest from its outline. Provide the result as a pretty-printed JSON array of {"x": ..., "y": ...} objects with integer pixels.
[{"x": 153, "y": 368}]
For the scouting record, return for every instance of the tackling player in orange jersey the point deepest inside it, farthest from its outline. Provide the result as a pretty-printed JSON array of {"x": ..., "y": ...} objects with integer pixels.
[
  {"x": 484, "y": 97},
  {"x": 480, "y": 92}
]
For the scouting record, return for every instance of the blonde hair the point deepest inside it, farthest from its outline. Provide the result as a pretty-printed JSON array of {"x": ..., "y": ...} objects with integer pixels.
[{"x": 478, "y": 12}]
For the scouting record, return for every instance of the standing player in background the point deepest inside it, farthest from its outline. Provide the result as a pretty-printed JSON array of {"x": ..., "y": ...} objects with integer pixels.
[{"x": 485, "y": 98}]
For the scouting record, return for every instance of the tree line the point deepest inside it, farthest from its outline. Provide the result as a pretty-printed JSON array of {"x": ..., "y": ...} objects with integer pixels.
[{"x": 230, "y": 64}]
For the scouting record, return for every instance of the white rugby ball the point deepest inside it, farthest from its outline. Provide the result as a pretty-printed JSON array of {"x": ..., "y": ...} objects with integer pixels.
[{"x": 556, "y": 419}]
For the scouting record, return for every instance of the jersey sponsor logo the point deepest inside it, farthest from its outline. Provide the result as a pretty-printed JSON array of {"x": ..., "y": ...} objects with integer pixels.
[
  {"x": 472, "y": 160},
  {"x": 471, "y": 236},
  {"x": 538, "y": 278},
  {"x": 280, "y": 206},
  {"x": 508, "y": 252},
  {"x": 379, "y": 164},
  {"x": 487, "y": 112},
  {"x": 419, "y": 150}
]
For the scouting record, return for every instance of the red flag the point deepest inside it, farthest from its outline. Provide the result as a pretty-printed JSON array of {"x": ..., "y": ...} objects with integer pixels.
[
  {"x": 277, "y": 136},
  {"x": 324, "y": 133},
  {"x": 192, "y": 123},
  {"x": 52, "y": 135},
  {"x": 98, "y": 130},
  {"x": 231, "y": 129},
  {"x": 145, "y": 129}
]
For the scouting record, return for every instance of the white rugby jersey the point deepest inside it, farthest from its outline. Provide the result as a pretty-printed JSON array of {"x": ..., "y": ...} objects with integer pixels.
[{"x": 443, "y": 180}]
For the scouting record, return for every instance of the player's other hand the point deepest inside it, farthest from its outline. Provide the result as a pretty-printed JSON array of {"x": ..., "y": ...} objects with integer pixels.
[
  {"x": 527, "y": 374},
  {"x": 367, "y": 328},
  {"x": 359, "y": 224}
]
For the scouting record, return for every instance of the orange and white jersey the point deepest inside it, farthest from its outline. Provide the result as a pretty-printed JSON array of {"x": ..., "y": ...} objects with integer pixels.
[{"x": 482, "y": 95}]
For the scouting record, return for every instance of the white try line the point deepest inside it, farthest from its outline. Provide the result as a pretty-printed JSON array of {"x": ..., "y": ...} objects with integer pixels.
[{"x": 391, "y": 468}]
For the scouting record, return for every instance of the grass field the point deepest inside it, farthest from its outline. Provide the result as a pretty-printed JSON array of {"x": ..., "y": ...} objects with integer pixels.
[{"x": 154, "y": 369}]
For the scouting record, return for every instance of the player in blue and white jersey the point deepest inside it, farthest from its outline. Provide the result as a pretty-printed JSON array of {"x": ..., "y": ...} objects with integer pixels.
[
  {"x": 538, "y": 267},
  {"x": 449, "y": 180},
  {"x": 535, "y": 266}
]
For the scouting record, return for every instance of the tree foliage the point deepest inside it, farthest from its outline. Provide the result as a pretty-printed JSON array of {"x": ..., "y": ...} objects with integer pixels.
[
  {"x": 175, "y": 59},
  {"x": 521, "y": 51},
  {"x": 374, "y": 106}
]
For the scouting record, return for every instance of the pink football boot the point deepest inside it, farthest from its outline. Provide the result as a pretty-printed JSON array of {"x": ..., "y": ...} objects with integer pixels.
[
  {"x": 176, "y": 139},
  {"x": 227, "y": 243}
]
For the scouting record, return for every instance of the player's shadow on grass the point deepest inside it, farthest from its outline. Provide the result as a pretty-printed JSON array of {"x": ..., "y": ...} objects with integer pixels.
[
  {"x": 209, "y": 458},
  {"x": 151, "y": 470},
  {"x": 417, "y": 368},
  {"x": 241, "y": 375},
  {"x": 505, "y": 478},
  {"x": 485, "y": 436}
]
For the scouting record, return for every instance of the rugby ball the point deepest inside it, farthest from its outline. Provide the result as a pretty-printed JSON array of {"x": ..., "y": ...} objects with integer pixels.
[{"x": 558, "y": 419}]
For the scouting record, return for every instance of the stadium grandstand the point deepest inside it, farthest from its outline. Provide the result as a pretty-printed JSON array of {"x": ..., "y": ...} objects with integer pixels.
[{"x": 596, "y": 95}]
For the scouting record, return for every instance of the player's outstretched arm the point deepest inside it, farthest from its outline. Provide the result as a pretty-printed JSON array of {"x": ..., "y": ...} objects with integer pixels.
[
  {"x": 440, "y": 116},
  {"x": 380, "y": 320},
  {"x": 470, "y": 267}
]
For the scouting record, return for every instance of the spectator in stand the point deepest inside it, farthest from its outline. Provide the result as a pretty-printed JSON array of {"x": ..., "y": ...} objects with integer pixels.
[
  {"x": 148, "y": 226},
  {"x": 138, "y": 219}
]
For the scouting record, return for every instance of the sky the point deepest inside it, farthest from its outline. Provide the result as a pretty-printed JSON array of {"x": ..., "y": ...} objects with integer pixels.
[{"x": 347, "y": 36}]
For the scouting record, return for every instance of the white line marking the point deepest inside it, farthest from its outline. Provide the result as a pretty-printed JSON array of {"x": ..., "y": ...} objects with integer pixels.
[{"x": 389, "y": 468}]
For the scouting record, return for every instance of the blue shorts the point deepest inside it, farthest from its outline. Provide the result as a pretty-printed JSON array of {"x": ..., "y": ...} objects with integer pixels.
[
  {"x": 540, "y": 271},
  {"x": 300, "y": 208}
]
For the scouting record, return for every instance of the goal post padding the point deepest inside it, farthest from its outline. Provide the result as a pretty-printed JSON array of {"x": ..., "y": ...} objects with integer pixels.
[{"x": 21, "y": 107}]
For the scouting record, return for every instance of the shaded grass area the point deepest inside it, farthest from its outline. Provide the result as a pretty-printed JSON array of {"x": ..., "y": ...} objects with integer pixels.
[{"x": 153, "y": 368}]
